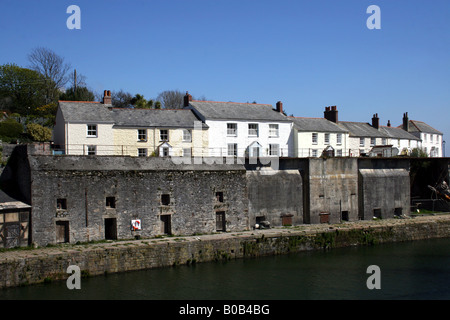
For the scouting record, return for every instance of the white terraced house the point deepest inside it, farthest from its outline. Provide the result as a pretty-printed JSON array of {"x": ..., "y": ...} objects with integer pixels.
[
  {"x": 314, "y": 137},
  {"x": 431, "y": 139},
  {"x": 244, "y": 129},
  {"x": 96, "y": 128}
]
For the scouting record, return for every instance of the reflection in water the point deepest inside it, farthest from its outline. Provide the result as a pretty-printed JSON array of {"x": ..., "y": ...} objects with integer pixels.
[{"x": 413, "y": 270}]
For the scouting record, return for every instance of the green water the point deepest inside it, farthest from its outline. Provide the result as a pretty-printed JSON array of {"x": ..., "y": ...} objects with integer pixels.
[{"x": 409, "y": 271}]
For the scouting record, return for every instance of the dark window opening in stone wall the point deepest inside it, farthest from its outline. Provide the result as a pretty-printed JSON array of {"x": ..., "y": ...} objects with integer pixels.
[
  {"x": 61, "y": 204},
  {"x": 398, "y": 212},
  {"x": 219, "y": 196},
  {"x": 165, "y": 199},
  {"x": 377, "y": 213},
  {"x": 344, "y": 215},
  {"x": 110, "y": 202}
]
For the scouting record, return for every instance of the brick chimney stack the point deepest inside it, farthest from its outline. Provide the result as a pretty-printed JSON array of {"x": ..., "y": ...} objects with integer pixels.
[
  {"x": 279, "y": 107},
  {"x": 331, "y": 114},
  {"x": 405, "y": 121},
  {"x": 375, "y": 121},
  {"x": 107, "y": 97},
  {"x": 187, "y": 99}
]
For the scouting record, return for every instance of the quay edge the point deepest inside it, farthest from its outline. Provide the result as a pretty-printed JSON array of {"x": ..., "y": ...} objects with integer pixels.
[{"x": 32, "y": 266}]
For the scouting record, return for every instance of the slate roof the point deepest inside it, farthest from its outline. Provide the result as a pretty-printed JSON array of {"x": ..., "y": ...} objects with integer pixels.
[
  {"x": 162, "y": 118},
  {"x": 7, "y": 202},
  {"x": 212, "y": 110},
  {"x": 96, "y": 112},
  {"x": 316, "y": 125},
  {"x": 398, "y": 133},
  {"x": 79, "y": 111},
  {"x": 362, "y": 129},
  {"x": 420, "y": 126}
]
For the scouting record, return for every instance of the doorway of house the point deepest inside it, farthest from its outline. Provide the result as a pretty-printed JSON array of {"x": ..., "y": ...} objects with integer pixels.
[
  {"x": 62, "y": 231},
  {"x": 166, "y": 222},
  {"x": 220, "y": 221},
  {"x": 110, "y": 228}
]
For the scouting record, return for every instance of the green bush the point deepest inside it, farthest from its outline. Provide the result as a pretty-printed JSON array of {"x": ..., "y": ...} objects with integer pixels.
[
  {"x": 10, "y": 128},
  {"x": 39, "y": 133}
]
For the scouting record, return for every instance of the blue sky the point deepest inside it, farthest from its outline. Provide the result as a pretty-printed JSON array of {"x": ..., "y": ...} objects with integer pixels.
[{"x": 308, "y": 54}]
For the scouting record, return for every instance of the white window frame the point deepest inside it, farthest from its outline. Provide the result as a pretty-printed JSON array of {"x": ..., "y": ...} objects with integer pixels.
[
  {"x": 253, "y": 129},
  {"x": 232, "y": 129},
  {"x": 142, "y": 135},
  {"x": 273, "y": 130},
  {"x": 161, "y": 134},
  {"x": 339, "y": 139},
  {"x": 373, "y": 141},
  {"x": 91, "y": 150},
  {"x": 315, "y": 138},
  {"x": 327, "y": 138},
  {"x": 187, "y": 135},
  {"x": 232, "y": 149},
  {"x": 274, "y": 149},
  {"x": 92, "y": 131},
  {"x": 187, "y": 152},
  {"x": 362, "y": 142},
  {"x": 142, "y": 152},
  {"x": 314, "y": 153}
]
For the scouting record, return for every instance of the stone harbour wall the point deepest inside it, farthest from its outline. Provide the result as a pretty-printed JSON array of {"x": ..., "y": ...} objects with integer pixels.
[{"x": 25, "y": 267}]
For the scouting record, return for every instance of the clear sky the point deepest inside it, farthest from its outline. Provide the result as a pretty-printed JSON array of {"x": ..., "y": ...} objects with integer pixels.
[{"x": 308, "y": 54}]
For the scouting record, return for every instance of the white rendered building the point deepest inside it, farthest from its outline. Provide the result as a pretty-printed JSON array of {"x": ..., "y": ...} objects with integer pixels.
[{"x": 244, "y": 129}]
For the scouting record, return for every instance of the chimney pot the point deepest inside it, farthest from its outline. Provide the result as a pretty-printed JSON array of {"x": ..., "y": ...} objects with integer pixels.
[
  {"x": 187, "y": 98},
  {"x": 389, "y": 123},
  {"x": 107, "y": 97},
  {"x": 331, "y": 114},
  {"x": 375, "y": 121},
  {"x": 280, "y": 107}
]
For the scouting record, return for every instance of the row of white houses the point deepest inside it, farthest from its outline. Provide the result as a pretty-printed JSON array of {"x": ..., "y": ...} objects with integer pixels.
[{"x": 210, "y": 128}]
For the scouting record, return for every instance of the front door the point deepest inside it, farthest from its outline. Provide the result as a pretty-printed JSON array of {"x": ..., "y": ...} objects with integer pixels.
[
  {"x": 220, "y": 221},
  {"x": 62, "y": 231}
]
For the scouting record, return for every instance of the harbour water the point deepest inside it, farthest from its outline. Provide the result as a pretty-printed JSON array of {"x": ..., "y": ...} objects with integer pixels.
[{"x": 418, "y": 270}]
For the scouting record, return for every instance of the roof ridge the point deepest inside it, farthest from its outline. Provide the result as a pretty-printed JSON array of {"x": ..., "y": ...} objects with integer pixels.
[
  {"x": 79, "y": 101},
  {"x": 308, "y": 118},
  {"x": 250, "y": 103}
]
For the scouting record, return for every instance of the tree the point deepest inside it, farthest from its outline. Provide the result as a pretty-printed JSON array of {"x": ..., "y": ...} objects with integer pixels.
[
  {"x": 121, "y": 99},
  {"x": 10, "y": 129},
  {"x": 171, "y": 99},
  {"x": 78, "y": 94},
  {"x": 39, "y": 133},
  {"x": 21, "y": 90},
  {"x": 418, "y": 153},
  {"x": 139, "y": 102},
  {"x": 53, "y": 69}
]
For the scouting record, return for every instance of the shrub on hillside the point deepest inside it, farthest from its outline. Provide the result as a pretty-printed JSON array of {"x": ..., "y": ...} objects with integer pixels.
[{"x": 39, "y": 133}]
